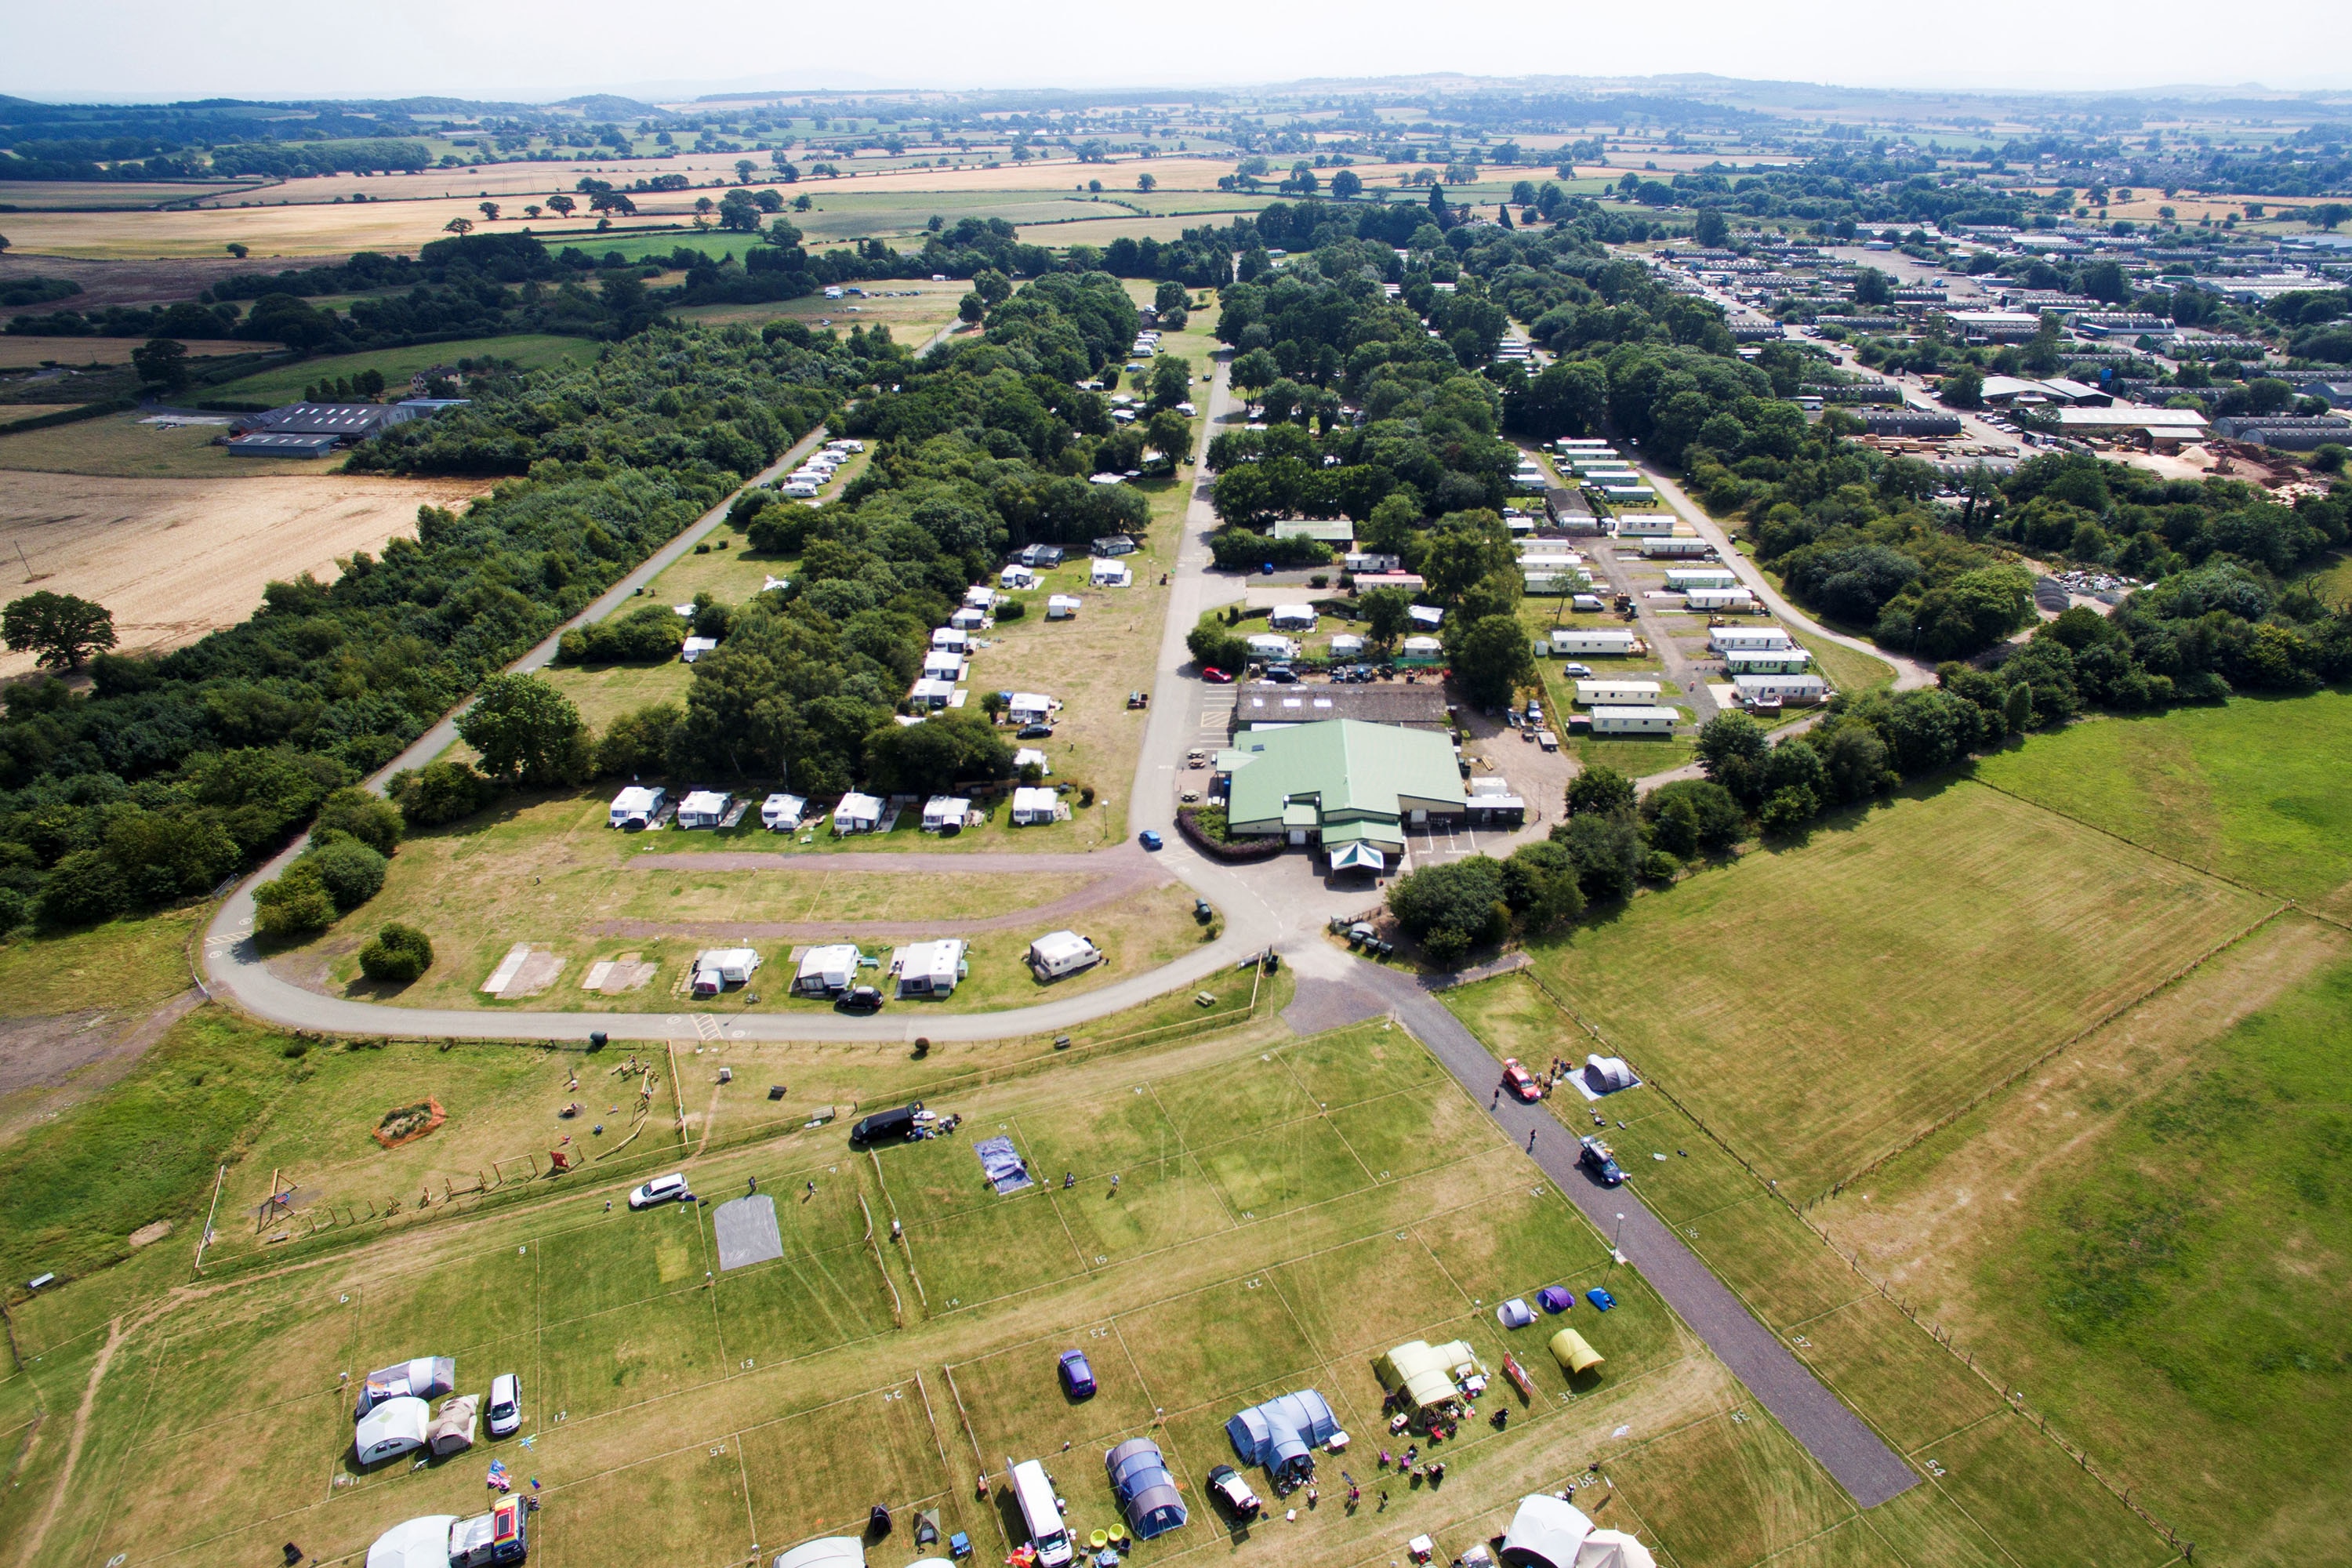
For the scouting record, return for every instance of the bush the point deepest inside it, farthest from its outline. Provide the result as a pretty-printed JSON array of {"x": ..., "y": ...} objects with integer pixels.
[
  {"x": 398, "y": 955},
  {"x": 651, "y": 634},
  {"x": 1600, "y": 788},
  {"x": 361, "y": 815},
  {"x": 1786, "y": 815},
  {"x": 440, "y": 791},
  {"x": 1239, "y": 550},
  {"x": 1011, "y": 610},
  {"x": 1658, "y": 866},
  {"x": 16, "y": 909},
  {"x": 1453, "y": 907},
  {"x": 294, "y": 906},
  {"x": 350, "y": 871}
]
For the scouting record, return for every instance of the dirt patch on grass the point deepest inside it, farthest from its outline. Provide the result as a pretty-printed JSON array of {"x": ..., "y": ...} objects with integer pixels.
[
  {"x": 174, "y": 558},
  {"x": 47, "y": 1064},
  {"x": 409, "y": 1123}
]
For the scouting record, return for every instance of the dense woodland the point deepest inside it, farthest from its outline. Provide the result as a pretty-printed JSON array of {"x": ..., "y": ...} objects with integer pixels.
[{"x": 170, "y": 773}]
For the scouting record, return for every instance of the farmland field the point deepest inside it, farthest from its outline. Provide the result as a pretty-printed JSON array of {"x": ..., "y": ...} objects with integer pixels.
[
  {"x": 532, "y": 351},
  {"x": 2253, "y": 789},
  {"x": 120, "y": 445},
  {"x": 174, "y": 559},
  {"x": 2007, "y": 927},
  {"x": 23, "y": 350},
  {"x": 678, "y": 1414}
]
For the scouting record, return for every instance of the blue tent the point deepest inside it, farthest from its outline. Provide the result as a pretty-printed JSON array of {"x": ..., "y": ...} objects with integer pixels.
[
  {"x": 1282, "y": 1435},
  {"x": 1147, "y": 1492}
]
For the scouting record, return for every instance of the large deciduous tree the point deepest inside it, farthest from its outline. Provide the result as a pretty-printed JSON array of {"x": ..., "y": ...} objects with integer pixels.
[
  {"x": 528, "y": 731},
  {"x": 62, "y": 629}
]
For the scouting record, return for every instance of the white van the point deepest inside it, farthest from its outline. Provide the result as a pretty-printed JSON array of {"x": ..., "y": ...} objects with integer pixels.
[{"x": 1034, "y": 1490}]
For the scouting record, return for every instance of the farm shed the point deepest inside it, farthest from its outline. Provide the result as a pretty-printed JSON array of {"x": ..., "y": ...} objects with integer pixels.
[
  {"x": 1145, "y": 1491},
  {"x": 857, "y": 813},
  {"x": 1035, "y": 805},
  {"x": 636, "y": 808},
  {"x": 945, "y": 813},
  {"x": 1546, "y": 1532},
  {"x": 703, "y": 808},
  {"x": 397, "y": 1426},
  {"x": 929, "y": 968},
  {"x": 827, "y": 970},
  {"x": 1573, "y": 1353},
  {"x": 1634, "y": 720},
  {"x": 1282, "y": 1434},
  {"x": 1425, "y": 1373},
  {"x": 426, "y": 1377},
  {"x": 1292, "y": 618}
]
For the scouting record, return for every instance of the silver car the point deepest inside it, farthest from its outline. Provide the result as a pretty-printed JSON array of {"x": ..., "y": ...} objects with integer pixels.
[{"x": 506, "y": 1405}]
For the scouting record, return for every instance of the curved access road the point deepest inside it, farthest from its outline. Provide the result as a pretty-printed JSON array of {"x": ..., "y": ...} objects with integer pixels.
[{"x": 1259, "y": 911}]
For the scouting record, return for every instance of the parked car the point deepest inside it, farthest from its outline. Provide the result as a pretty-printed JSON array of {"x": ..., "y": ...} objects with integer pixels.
[
  {"x": 1149, "y": 839},
  {"x": 1281, "y": 675},
  {"x": 1139, "y": 699},
  {"x": 666, "y": 1189},
  {"x": 1595, "y": 1157},
  {"x": 1583, "y": 669},
  {"x": 1035, "y": 731},
  {"x": 861, "y": 999},
  {"x": 1228, "y": 1483},
  {"x": 1078, "y": 1377},
  {"x": 1216, "y": 677},
  {"x": 1516, "y": 1080},
  {"x": 506, "y": 1403}
]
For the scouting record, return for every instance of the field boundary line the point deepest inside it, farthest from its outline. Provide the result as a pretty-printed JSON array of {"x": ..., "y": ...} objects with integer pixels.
[
  {"x": 897, "y": 1307},
  {"x": 972, "y": 1437},
  {"x": 938, "y": 1444},
  {"x": 2237, "y": 882},
  {"x": 1995, "y": 1414},
  {"x": 1798, "y": 1323},
  {"x": 743, "y": 1471},
  {"x": 1323, "y": 1114}
]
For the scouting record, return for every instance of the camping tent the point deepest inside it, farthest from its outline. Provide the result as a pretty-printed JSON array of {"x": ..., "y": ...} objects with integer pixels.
[
  {"x": 829, "y": 1552},
  {"x": 1554, "y": 1299},
  {"x": 394, "y": 1426},
  {"x": 1281, "y": 1434},
  {"x": 1145, "y": 1491},
  {"x": 452, "y": 1431},
  {"x": 1515, "y": 1313},
  {"x": 1547, "y": 1533},
  {"x": 1425, "y": 1372},
  {"x": 1607, "y": 1074},
  {"x": 426, "y": 1377},
  {"x": 1574, "y": 1355},
  {"x": 1613, "y": 1549},
  {"x": 416, "y": 1544}
]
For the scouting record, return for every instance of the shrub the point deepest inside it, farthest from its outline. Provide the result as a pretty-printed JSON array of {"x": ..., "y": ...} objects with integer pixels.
[
  {"x": 294, "y": 906},
  {"x": 1786, "y": 815},
  {"x": 1607, "y": 851},
  {"x": 1658, "y": 866},
  {"x": 361, "y": 815},
  {"x": 652, "y": 634},
  {"x": 1453, "y": 907},
  {"x": 398, "y": 955},
  {"x": 440, "y": 791},
  {"x": 1011, "y": 610},
  {"x": 350, "y": 871}
]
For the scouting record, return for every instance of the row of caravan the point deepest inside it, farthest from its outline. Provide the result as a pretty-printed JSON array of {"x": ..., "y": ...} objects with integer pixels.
[{"x": 803, "y": 483}]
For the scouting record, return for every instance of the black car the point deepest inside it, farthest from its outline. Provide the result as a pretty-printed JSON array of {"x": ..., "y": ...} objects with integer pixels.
[
  {"x": 887, "y": 1126},
  {"x": 1035, "y": 731},
  {"x": 861, "y": 999},
  {"x": 1281, "y": 675},
  {"x": 1595, "y": 1157}
]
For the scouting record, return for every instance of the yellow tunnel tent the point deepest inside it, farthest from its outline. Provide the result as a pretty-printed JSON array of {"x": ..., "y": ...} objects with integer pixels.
[{"x": 1574, "y": 1355}]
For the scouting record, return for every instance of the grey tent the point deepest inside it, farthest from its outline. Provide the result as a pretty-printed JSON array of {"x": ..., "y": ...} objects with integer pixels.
[
  {"x": 1147, "y": 1492},
  {"x": 452, "y": 1431},
  {"x": 426, "y": 1377},
  {"x": 1282, "y": 1435}
]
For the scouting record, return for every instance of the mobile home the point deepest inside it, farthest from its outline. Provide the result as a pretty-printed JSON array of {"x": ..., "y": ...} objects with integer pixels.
[
  {"x": 1730, "y": 639},
  {"x": 1683, "y": 579},
  {"x": 1643, "y": 720},
  {"x": 1645, "y": 524},
  {"x": 1636, "y": 693},
  {"x": 1674, "y": 545},
  {"x": 1767, "y": 660},
  {"x": 1720, "y": 599},
  {"x": 634, "y": 808},
  {"x": 1791, "y": 689},
  {"x": 1609, "y": 642}
]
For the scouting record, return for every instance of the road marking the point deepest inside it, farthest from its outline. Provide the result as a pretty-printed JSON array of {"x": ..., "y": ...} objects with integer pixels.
[{"x": 706, "y": 1025}]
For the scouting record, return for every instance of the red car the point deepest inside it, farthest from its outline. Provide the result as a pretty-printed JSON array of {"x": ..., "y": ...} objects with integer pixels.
[
  {"x": 1516, "y": 1080},
  {"x": 1216, "y": 677}
]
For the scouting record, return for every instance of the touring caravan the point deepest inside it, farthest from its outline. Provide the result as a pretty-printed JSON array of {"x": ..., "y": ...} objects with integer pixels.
[{"x": 1061, "y": 953}]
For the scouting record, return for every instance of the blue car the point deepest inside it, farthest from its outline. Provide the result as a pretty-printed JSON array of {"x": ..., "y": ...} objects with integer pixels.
[
  {"x": 1149, "y": 839},
  {"x": 1078, "y": 1377}
]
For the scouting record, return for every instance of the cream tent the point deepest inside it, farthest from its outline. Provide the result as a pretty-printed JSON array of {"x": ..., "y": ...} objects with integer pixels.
[
  {"x": 417, "y": 1543},
  {"x": 452, "y": 1431},
  {"x": 1547, "y": 1533},
  {"x": 1425, "y": 1373},
  {"x": 829, "y": 1552},
  {"x": 1613, "y": 1549}
]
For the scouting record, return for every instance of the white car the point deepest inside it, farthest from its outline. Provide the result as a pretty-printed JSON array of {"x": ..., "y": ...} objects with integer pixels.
[
  {"x": 660, "y": 1190},
  {"x": 506, "y": 1403}
]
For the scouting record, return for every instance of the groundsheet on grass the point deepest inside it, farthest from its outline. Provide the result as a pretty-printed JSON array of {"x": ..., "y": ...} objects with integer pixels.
[
  {"x": 1581, "y": 1077},
  {"x": 1002, "y": 1164},
  {"x": 746, "y": 1228}
]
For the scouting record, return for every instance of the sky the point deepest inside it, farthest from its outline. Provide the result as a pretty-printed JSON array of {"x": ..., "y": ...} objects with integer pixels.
[{"x": 117, "y": 50}]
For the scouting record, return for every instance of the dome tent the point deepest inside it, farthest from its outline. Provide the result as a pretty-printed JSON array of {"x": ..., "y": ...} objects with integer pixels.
[
  {"x": 1145, "y": 1491},
  {"x": 1546, "y": 1532},
  {"x": 1282, "y": 1434},
  {"x": 1613, "y": 1549}
]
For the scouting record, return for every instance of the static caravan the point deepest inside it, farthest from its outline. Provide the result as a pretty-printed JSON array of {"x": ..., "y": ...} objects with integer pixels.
[
  {"x": 782, "y": 813},
  {"x": 1767, "y": 660},
  {"x": 693, "y": 648},
  {"x": 1729, "y": 639},
  {"x": 1788, "y": 689},
  {"x": 1292, "y": 618},
  {"x": 1645, "y": 524},
  {"x": 929, "y": 968},
  {"x": 1683, "y": 579},
  {"x": 704, "y": 808},
  {"x": 857, "y": 813},
  {"x": 931, "y": 693},
  {"x": 1636, "y": 694},
  {"x": 827, "y": 970},
  {"x": 952, "y": 639},
  {"x": 1358, "y": 562},
  {"x": 718, "y": 968},
  {"x": 1642, "y": 719},
  {"x": 1061, "y": 607},
  {"x": 1411, "y": 582},
  {"x": 1031, "y": 757},
  {"x": 1609, "y": 642},
  {"x": 1035, "y": 805},
  {"x": 1421, "y": 650},
  {"x": 1679, "y": 544},
  {"x": 634, "y": 808},
  {"x": 1029, "y": 707},
  {"x": 945, "y": 813},
  {"x": 1720, "y": 599},
  {"x": 1061, "y": 953},
  {"x": 967, "y": 620}
]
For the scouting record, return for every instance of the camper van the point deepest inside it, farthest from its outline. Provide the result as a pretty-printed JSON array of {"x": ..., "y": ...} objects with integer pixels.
[
  {"x": 1034, "y": 1490},
  {"x": 1061, "y": 953}
]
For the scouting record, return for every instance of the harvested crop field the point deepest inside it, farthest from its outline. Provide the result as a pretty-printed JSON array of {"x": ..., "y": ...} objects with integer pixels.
[
  {"x": 24, "y": 352},
  {"x": 174, "y": 558},
  {"x": 1828, "y": 1002}
]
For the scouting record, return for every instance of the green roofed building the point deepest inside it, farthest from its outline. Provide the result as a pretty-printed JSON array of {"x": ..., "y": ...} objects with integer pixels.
[{"x": 1352, "y": 787}]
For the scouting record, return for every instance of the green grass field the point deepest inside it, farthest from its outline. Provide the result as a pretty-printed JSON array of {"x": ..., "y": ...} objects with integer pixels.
[
  {"x": 119, "y": 446},
  {"x": 676, "y": 1414},
  {"x": 2253, "y": 789},
  {"x": 1828, "y": 1000},
  {"x": 284, "y": 384}
]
